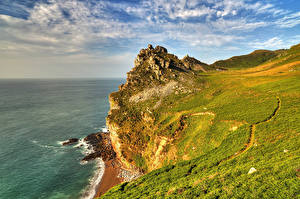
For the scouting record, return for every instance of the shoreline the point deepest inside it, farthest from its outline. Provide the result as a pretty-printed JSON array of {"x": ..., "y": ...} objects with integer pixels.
[
  {"x": 114, "y": 173},
  {"x": 110, "y": 178},
  {"x": 101, "y": 146}
]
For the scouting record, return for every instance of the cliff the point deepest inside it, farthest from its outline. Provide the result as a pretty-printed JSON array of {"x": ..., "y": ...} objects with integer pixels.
[{"x": 132, "y": 121}]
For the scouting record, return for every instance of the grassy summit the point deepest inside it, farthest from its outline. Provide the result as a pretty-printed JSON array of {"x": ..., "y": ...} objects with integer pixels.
[
  {"x": 247, "y": 61},
  {"x": 213, "y": 134}
]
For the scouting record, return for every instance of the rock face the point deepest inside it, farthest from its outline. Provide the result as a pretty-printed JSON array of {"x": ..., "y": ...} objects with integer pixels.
[
  {"x": 153, "y": 64},
  {"x": 156, "y": 74},
  {"x": 70, "y": 141},
  {"x": 102, "y": 147},
  {"x": 194, "y": 64}
]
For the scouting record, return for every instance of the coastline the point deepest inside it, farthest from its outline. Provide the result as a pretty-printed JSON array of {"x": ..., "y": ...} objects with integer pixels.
[
  {"x": 112, "y": 172},
  {"x": 100, "y": 146},
  {"x": 110, "y": 178}
]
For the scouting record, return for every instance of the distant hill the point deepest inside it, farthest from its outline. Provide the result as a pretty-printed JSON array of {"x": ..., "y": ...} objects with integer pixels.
[{"x": 247, "y": 61}]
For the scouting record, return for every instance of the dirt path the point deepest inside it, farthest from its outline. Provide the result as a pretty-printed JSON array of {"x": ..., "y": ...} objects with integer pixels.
[
  {"x": 248, "y": 145},
  {"x": 250, "y": 142},
  {"x": 182, "y": 121}
]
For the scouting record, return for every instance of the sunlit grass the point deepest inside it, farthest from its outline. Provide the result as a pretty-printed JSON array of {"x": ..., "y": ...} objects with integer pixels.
[{"x": 227, "y": 104}]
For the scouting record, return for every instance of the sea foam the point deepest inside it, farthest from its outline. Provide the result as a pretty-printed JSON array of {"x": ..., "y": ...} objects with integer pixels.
[{"x": 90, "y": 191}]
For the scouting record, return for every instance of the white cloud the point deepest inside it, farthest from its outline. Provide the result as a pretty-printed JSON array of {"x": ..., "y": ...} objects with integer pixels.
[
  {"x": 276, "y": 43},
  {"x": 237, "y": 25},
  {"x": 289, "y": 21},
  {"x": 186, "y": 13}
]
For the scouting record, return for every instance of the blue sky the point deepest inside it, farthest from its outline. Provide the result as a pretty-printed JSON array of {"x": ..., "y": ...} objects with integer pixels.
[{"x": 93, "y": 38}]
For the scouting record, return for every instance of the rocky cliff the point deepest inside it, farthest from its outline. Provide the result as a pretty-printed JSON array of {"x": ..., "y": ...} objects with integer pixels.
[{"x": 133, "y": 117}]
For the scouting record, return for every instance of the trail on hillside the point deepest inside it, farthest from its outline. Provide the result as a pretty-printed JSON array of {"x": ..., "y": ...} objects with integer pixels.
[
  {"x": 250, "y": 142},
  {"x": 182, "y": 121},
  {"x": 183, "y": 125}
]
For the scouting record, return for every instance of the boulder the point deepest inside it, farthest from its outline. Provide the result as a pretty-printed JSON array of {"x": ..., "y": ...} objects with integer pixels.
[
  {"x": 70, "y": 141},
  {"x": 160, "y": 49}
]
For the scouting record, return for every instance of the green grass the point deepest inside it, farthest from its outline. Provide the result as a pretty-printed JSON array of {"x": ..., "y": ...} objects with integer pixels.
[
  {"x": 246, "y": 61},
  {"x": 200, "y": 167}
]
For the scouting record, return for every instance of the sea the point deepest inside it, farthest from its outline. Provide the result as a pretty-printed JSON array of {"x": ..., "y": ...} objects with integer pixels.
[{"x": 36, "y": 116}]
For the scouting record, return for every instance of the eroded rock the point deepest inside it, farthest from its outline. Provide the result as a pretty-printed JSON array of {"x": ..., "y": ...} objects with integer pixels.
[
  {"x": 70, "y": 141},
  {"x": 101, "y": 145}
]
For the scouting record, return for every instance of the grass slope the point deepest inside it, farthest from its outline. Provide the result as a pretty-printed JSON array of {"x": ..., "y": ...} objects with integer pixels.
[
  {"x": 237, "y": 120},
  {"x": 246, "y": 61}
]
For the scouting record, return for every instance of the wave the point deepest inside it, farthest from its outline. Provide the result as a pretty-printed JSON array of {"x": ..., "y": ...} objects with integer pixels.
[
  {"x": 86, "y": 148},
  {"x": 60, "y": 143},
  {"x": 102, "y": 129},
  {"x": 90, "y": 191},
  {"x": 45, "y": 145}
]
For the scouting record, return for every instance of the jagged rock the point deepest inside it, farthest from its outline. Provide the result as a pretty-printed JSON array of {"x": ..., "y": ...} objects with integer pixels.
[
  {"x": 121, "y": 86},
  {"x": 160, "y": 49},
  {"x": 101, "y": 145},
  {"x": 154, "y": 64},
  {"x": 70, "y": 141},
  {"x": 193, "y": 64}
]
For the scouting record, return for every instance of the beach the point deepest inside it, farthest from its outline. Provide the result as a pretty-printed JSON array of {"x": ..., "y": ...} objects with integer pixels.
[{"x": 110, "y": 178}]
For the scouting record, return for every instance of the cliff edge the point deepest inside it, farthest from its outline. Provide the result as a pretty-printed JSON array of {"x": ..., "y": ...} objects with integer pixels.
[{"x": 156, "y": 76}]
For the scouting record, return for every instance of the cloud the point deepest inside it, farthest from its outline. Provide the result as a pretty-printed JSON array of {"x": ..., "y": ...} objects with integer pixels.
[
  {"x": 289, "y": 21},
  {"x": 237, "y": 25},
  {"x": 275, "y": 43}
]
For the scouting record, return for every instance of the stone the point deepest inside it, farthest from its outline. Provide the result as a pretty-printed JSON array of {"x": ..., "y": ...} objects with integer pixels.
[
  {"x": 252, "y": 170},
  {"x": 160, "y": 49},
  {"x": 101, "y": 145},
  {"x": 150, "y": 47},
  {"x": 70, "y": 141}
]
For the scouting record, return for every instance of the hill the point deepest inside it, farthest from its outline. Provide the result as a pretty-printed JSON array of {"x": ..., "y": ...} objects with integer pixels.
[
  {"x": 247, "y": 61},
  {"x": 208, "y": 133}
]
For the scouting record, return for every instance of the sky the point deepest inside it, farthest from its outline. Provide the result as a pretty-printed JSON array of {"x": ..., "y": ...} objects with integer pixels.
[{"x": 101, "y": 38}]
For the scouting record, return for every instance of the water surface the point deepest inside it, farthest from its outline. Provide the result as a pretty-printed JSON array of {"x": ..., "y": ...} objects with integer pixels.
[{"x": 34, "y": 116}]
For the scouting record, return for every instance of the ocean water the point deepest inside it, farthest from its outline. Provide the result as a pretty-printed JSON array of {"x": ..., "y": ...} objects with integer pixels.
[{"x": 35, "y": 115}]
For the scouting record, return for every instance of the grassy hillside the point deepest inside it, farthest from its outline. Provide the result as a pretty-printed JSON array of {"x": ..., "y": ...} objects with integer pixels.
[
  {"x": 209, "y": 134},
  {"x": 247, "y": 61}
]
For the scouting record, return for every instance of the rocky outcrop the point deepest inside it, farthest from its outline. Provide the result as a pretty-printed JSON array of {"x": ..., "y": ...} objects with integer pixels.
[
  {"x": 194, "y": 64},
  {"x": 102, "y": 147},
  {"x": 70, "y": 141},
  {"x": 152, "y": 65}
]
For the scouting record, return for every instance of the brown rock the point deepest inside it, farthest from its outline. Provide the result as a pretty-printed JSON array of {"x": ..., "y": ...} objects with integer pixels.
[
  {"x": 101, "y": 145},
  {"x": 70, "y": 141},
  {"x": 160, "y": 49}
]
